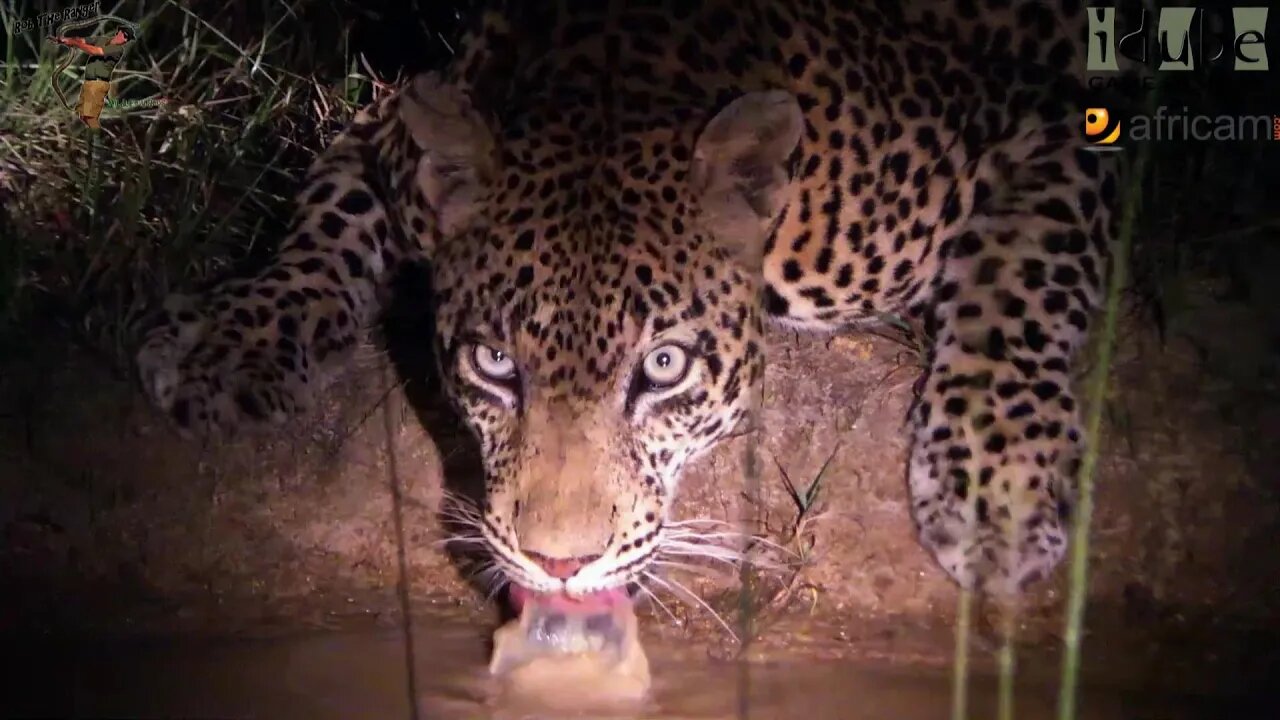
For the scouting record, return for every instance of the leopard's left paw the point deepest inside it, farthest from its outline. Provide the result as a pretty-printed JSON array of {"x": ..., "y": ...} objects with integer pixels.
[{"x": 993, "y": 474}]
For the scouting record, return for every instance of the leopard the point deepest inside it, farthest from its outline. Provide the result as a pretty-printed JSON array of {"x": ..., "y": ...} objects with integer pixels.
[{"x": 615, "y": 200}]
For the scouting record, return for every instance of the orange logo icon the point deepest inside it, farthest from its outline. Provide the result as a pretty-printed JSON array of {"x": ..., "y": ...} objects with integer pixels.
[{"x": 1099, "y": 128}]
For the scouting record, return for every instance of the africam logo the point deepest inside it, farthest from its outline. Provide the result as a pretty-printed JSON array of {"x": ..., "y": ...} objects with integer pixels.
[
  {"x": 105, "y": 53},
  {"x": 1100, "y": 130},
  {"x": 1104, "y": 131}
]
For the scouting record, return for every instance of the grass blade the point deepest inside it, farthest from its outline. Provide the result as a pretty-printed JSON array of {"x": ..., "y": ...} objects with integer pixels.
[
  {"x": 1005, "y": 662},
  {"x": 960, "y": 666},
  {"x": 1097, "y": 393}
]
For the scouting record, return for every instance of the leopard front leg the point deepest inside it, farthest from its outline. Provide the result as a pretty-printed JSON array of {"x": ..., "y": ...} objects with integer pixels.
[
  {"x": 997, "y": 435},
  {"x": 260, "y": 347}
]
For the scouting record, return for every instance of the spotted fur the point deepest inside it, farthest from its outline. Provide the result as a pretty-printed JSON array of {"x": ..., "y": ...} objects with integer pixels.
[{"x": 609, "y": 193}]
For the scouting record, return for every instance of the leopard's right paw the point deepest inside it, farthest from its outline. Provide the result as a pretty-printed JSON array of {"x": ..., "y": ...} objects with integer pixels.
[
  {"x": 238, "y": 357},
  {"x": 170, "y": 334}
]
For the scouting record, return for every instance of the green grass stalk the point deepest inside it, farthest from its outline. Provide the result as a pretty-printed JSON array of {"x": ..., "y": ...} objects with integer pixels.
[
  {"x": 1005, "y": 660},
  {"x": 960, "y": 665},
  {"x": 1068, "y": 688}
]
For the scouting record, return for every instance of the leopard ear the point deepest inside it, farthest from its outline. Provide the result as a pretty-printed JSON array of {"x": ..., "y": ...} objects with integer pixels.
[
  {"x": 739, "y": 171},
  {"x": 459, "y": 151}
]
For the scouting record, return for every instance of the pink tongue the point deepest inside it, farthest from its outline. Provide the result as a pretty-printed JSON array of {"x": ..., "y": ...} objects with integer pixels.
[{"x": 592, "y": 603}]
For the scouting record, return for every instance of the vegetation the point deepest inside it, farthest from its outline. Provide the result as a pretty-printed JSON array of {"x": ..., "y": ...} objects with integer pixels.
[{"x": 97, "y": 225}]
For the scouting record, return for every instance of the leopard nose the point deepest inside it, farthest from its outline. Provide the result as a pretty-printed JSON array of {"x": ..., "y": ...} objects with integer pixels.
[{"x": 561, "y": 568}]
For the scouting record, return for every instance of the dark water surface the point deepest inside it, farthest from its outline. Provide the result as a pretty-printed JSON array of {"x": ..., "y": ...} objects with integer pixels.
[{"x": 361, "y": 673}]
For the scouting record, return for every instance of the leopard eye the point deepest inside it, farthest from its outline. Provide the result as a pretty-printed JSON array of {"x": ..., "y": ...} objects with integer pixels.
[
  {"x": 493, "y": 364},
  {"x": 666, "y": 365}
]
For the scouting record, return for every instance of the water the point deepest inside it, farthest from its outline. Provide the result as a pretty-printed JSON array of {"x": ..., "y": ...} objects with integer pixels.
[{"x": 360, "y": 673}]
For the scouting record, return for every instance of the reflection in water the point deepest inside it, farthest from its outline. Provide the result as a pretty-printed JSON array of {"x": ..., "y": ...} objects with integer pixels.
[{"x": 360, "y": 674}]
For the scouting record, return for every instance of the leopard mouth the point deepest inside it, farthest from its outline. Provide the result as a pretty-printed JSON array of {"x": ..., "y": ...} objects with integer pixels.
[
  {"x": 523, "y": 599},
  {"x": 597, "y": 628}
]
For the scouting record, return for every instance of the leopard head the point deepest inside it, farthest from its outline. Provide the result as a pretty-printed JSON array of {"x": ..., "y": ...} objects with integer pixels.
[{"x": 596, "y": 288}]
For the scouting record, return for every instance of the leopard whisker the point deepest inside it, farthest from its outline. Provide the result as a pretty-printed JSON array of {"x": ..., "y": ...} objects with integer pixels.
[
  {"x": 497, "y": 585},
  {"x": 699, "y": 569},
  {"x": 658, "y": 601},
  {"x": 491, "y": 577},
  {"x": 464, "y": 540},
  {"x": 678, "y": 564},
  {"x": 463, "y": 520},
  {"x": 707, "y": 550},
  {"x": 672, "y": 585},
  {"x": 695, "y": 522},
  {"x": 732, "y": 536},
  {"x": 460, "y": 503}
]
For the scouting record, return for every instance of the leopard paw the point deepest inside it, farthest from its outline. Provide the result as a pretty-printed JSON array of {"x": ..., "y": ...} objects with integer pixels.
[
  {"x": 243, "y": 354},
  {"x": 992, "y": 476}
]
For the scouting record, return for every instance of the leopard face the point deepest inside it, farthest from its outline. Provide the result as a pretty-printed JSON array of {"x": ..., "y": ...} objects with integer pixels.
[{"x": 600, "y": 329}]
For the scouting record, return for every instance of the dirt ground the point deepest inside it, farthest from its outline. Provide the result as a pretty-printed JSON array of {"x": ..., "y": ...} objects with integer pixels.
[{"x": 112, "y": 522}]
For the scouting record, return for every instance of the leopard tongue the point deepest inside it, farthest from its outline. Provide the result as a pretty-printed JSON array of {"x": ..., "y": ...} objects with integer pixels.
[{"x": 591, "y": 603}]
